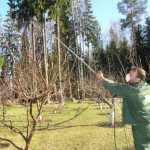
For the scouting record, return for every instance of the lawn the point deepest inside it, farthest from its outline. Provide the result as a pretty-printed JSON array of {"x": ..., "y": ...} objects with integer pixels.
[{"x": 89, "y": 131}]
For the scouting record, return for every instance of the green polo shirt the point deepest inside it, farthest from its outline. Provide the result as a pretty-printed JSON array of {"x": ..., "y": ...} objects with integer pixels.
[{"x": 136, "y": 101}]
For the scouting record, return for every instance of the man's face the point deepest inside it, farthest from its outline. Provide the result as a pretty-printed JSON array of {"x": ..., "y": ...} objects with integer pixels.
[{"x": 134, "y": 76}]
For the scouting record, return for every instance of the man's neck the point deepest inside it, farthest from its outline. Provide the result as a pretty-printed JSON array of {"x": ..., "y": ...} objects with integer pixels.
[{"x": 135, "y": 82}]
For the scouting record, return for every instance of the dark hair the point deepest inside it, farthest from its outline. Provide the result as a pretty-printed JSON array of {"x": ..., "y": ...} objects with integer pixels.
[{"x": 140, "y": 71}]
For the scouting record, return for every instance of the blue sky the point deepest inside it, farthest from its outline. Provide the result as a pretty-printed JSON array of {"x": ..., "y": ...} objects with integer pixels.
[{"x": 105, "y": 11}]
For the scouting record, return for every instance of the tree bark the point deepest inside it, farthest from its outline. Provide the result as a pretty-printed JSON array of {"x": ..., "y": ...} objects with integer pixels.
[
  {"x": 45, "y": 57},
  {"x": 59, "y": 63}
]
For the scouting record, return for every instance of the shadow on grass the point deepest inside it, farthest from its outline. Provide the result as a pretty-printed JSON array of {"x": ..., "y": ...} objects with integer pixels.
[
  {"x": 108, "y": 125},
  {"x": 4, "y": 145},
  {"x": 128, "y": 148},
  {"x": 105, "y": 125},
  {"x": 103, "y": 114}
]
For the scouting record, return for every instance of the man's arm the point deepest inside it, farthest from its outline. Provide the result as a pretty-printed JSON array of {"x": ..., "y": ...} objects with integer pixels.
[{"x": 116, "y": 88}]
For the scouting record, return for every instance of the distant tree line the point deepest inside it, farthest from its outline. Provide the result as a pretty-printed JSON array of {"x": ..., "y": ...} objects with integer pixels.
[{"x": 38, "y": 28}]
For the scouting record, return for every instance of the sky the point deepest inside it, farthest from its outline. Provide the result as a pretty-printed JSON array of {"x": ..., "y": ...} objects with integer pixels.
[{"x": 105, "y": 11}]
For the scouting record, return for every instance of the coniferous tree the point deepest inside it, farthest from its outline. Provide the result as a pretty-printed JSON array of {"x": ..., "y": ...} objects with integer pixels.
[
  {"x": 147, "y": 37},
  {"x": 142, "y": 38},
  {"x": 133, "y": 10},
  {"x": 11, "y": 46}
]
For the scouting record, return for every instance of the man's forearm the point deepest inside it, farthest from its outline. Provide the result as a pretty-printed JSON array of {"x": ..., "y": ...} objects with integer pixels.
[{"x": 110, "y": 81}]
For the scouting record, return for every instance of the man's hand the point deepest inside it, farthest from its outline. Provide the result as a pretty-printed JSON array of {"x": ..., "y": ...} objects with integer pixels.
[{"x": 99, "y": 75}]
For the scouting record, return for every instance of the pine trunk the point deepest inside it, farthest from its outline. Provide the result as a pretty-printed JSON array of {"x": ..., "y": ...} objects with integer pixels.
[
  {"x": 59, "y": 63},
  {"x": 45, "y": 58}
]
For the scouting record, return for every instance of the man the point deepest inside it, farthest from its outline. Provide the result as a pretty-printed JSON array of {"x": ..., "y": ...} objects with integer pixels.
[{"x": 136, "y": 104}]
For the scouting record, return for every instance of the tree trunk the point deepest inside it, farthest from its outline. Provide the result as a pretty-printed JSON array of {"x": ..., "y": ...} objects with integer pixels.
[
  {"x": 27, "y": 145},
  {"x": 45, "y": 57},
  {"x": 55, "y": 90},
  {"x": 34, "y": 60},
  {"x": 112, "y": 116},
  {"x": 80, "y": 68},
  {"x": 112, "y": 113},
  {"x": 70, "y": 85},
  {"x": 59, "y": 64},
  {"x": 134, "y": 52},
  {"x": 90, "y": 81},
  {"x": 27, "y": 131}
]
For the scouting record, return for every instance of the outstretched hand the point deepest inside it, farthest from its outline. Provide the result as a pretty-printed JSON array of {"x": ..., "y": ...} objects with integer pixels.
[{"x": 99, "y": 75}]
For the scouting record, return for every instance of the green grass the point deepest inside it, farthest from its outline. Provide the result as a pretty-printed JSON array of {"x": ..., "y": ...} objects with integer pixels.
[{"x": 89, "y": 131}]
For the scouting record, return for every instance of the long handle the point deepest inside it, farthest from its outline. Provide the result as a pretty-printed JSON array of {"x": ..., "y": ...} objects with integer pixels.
[{"x": 75, "y": 54}]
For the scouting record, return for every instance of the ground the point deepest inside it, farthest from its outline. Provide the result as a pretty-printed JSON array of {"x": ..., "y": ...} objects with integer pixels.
[{"x": 89, "y": 131}]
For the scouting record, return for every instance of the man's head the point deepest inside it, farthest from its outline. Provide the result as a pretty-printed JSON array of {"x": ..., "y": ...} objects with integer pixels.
[{"x": 137, "y": 74}]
